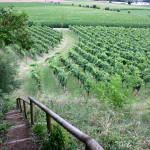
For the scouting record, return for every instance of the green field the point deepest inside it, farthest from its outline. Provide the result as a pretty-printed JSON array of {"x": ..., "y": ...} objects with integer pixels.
[
  {"x": 63, "y": 15},
  {"x": 138, "y": 12}
]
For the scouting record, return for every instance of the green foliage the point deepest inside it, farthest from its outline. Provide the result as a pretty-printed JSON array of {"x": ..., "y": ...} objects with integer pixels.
[
  {"x": 57, "y": 139},
  {"x": 13, "y": 28},
  {"x": 106, "y": 8},
  {"x": 4, "y": 105},
  {"x": 112, "y": 92},
  {"x": 40, "y": 130},
  {"x": 8, "y": 73},
  {"x": 44, "y": 39},
  {"x": 102, "y": 56},
  {"x": 36, "y": 75},
  {"x": 5, "y": 125}
]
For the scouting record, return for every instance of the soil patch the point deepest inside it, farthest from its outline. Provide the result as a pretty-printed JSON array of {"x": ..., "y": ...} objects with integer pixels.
[{"x": 18, "y": 137}]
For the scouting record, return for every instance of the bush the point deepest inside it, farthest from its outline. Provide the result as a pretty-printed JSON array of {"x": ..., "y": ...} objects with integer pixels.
[
  {"x": 79, "y": 5},
  {"x": 129, "y": 2},
  {"x": 118, "y": 10},
  {"x": 8, "y": 73},
  {"x": 94, "y": 6},
  {"x": 106, "y": 8},
  {"x": 112, "y": 92},
  {"x": 57, "y": 139}
]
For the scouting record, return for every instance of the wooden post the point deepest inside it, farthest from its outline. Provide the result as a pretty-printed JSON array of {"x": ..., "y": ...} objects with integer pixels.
[
  {"x": 17, "y": 101},
  {"x": 49, "y": 122},
  {"x": 20, "y": 105},
  {"x": 25, "y": 110},
  {"x": 32, "y": 113},
  {"x": 86, "y": 147}
]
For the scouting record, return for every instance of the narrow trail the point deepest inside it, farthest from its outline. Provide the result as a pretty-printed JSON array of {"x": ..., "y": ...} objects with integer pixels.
[
  {"x": 67, "y": 42},
  {"x": 18, "y": 135}
]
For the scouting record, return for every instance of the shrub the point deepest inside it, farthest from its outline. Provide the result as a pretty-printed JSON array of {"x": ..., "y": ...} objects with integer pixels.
[
  {"x": 57, "y": 138},
  {"x": 106, "y": 8},
  {"x": 79, "y": 5},
  {"x": 94, "y": 6},
  {"x": 129, "y": 2},
  {"x": 118, "y": 10},
  {"x": 112, "y": 92},
  {"x": 8, "y": 73}
]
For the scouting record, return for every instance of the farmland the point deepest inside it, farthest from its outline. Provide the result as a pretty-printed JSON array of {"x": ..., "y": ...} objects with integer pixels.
[
  {"x": 46, "y": 14},
  {"x": 97, "y": 71}
]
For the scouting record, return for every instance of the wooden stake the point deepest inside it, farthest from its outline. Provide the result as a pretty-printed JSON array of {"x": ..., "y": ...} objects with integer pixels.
[
  {"x": 20, "y": 105},
  {"x": 49, "y": 122},
  {"x": 86, "y": 148},
  {"x": 25, "y": 110},
  {"x": 17, "y": 101},
  {"x": 32, "y": 113}
]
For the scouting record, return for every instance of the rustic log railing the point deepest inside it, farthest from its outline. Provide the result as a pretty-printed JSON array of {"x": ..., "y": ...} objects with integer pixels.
[{"x": 90, "y": 143}]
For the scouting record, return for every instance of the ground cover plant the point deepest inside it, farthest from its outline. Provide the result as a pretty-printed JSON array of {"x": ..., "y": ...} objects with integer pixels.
[{"x": 67, "y": 14}]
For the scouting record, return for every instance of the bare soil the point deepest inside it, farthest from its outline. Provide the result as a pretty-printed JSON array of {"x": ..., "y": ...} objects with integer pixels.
[{"x": 18, "y": 137}]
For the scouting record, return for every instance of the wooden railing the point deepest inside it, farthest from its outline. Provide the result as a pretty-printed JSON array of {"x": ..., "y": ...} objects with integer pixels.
[{"x": 90, "y": 143}]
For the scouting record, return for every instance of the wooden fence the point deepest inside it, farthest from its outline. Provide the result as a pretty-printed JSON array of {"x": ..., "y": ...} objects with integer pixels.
[{"x": 90, "y": 143}]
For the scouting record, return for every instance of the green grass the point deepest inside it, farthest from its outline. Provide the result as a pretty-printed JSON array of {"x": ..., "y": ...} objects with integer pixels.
[{"x": 64, "y": 15}]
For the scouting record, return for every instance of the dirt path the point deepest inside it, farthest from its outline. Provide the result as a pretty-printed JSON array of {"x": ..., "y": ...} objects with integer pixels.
[
  {"x": 67, "y": 42},
  {"x": 18, "y": 135}
]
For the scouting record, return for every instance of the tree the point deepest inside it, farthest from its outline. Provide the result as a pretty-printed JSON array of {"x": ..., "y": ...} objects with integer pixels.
[{"x": 13, "y": 28}]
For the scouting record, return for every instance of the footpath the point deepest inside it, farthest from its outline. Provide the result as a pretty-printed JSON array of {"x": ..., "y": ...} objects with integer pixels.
[{"x": 18, "y": 137}]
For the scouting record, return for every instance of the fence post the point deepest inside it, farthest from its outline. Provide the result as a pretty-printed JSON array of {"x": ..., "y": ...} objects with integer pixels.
[
  {"x": 49, "y": 122},
  {"x": 20, "y": 105},
  {"x": 17, "y": 102},
  {"x": 25, "y": 110},
  {"x": 32, "y": 113},
  {"x": 86, "y": 147}
]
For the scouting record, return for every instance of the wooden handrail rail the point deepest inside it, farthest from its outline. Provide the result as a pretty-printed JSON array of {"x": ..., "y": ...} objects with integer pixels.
[
  {"x": 25, "y": 101},
  {"x": 91, "y": 144}
]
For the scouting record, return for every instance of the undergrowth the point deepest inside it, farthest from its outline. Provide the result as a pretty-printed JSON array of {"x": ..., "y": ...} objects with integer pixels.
[{"x": 117, "y": 128}]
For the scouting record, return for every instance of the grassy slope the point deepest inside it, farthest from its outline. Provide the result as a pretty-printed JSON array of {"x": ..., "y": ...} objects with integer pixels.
[
  {"x": 49, "y": 82},
  {"x": 74, "y": 15}
]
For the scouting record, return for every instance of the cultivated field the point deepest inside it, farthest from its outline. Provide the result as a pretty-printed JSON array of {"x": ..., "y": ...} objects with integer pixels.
[{"x": 95, "y": 74}]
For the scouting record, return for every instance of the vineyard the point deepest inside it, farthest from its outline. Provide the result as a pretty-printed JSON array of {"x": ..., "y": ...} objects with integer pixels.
[
  {"x": 103, "y": 52},
  {"x": 44, "y": 39},
  {"x": 94, "y": 71}
]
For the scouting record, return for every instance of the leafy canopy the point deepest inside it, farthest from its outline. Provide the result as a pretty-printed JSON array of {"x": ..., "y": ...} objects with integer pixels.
[{"x": 13, "y": 28}]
